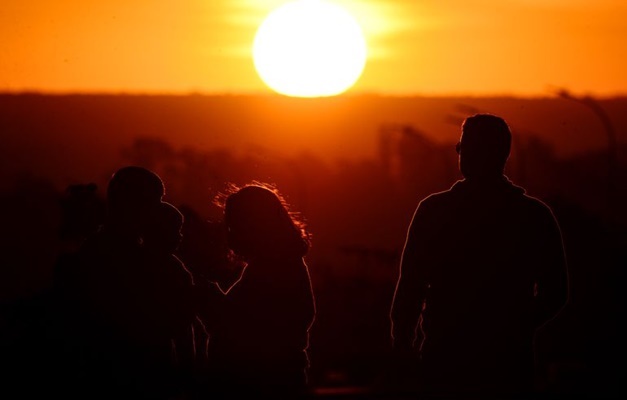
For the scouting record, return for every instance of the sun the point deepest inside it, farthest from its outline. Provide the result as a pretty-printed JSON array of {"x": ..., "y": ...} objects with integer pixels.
[{"x": 309, "y": 48}]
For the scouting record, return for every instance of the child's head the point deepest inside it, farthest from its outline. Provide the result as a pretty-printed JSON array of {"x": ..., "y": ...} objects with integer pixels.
[
  {"x": 258, "y": 223},
  {"x": 163, "y": 230}
]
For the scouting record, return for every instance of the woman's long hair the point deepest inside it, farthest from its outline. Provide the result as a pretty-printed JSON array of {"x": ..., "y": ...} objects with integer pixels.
[{"x": 260, "y": 224}]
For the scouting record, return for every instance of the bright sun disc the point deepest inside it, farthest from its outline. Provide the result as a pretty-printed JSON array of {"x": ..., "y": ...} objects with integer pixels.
[{"x": 309, "y": 48}]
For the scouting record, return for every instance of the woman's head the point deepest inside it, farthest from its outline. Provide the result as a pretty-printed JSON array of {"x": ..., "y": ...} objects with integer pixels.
[{"x": 259, "y": 223}]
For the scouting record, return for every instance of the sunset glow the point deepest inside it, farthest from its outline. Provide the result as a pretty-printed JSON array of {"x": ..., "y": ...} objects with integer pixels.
[{"x": 480, "y": 48}]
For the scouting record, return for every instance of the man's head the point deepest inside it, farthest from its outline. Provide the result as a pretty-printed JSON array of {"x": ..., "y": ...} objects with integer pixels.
[
  {"x": 132, "y": 193},
  {"x": 484, "y": 146}
]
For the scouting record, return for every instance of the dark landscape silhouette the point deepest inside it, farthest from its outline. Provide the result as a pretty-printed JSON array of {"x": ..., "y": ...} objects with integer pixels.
[{"x": 59, "y": 152}]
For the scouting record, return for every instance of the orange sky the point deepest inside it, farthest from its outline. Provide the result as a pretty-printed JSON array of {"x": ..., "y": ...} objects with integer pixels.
[{"x": 429, "y": 47}]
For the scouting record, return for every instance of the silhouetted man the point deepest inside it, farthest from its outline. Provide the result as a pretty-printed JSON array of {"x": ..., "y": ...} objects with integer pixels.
[
  {"x": 483, "y": 267},
  {"x": 100, "y": 290}
]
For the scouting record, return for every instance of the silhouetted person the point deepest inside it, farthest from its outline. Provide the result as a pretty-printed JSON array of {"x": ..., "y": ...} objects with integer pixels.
[
  {"x": 166, "y": 307},
  {"x": 99, "y": 290},
  {"x": 82, "y": 213},
  {"x": 483, "y": 267},
  {"x": 259, "y": 332}
]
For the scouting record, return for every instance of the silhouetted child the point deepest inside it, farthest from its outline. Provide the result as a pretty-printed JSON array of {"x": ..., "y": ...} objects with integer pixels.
[
  {"x": 168, "y": 303},
  {"x": 260, "y": 327}
]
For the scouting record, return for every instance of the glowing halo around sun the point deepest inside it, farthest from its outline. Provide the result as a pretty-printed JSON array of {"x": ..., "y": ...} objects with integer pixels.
[{"x": 309, "y": 48}]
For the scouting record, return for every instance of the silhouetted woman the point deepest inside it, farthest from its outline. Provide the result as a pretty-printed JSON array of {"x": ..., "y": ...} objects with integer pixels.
[{"x": 260, "y": 328}]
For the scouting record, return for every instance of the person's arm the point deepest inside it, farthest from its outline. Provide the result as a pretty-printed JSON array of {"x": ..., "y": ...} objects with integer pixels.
[
  {"x": 189, "y": 341},
  {"x": 184, "y": 347},
  {"x": 310, "y": 300},
  {"x": 184, "y": 339},
  {"x": 411, "y": 287},
  {"x": 551, "y": 286}
]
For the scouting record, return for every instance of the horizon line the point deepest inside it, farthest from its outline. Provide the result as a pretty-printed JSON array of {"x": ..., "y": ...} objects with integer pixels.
[{"x": 552, "y": 93}]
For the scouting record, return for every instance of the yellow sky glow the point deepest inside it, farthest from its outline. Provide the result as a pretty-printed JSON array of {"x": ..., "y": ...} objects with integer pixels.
[{"x": 430, "y": 47}]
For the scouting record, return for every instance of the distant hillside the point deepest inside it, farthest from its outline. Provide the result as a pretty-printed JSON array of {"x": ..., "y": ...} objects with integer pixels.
[{"x": 72, "y": 137}]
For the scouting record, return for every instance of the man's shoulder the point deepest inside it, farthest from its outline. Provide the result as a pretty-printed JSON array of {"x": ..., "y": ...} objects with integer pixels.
[
  {"x": 458, "y": 193},
  {"x": 438, "y": 199},
  {"x": 536, "y": 205},
  {"x": 539, "y": 212}
]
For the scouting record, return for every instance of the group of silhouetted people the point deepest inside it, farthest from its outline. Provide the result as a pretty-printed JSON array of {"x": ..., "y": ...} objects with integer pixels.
[
  {"x": 135, "y": 324},
  {"x": 482, "y": 269}
]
